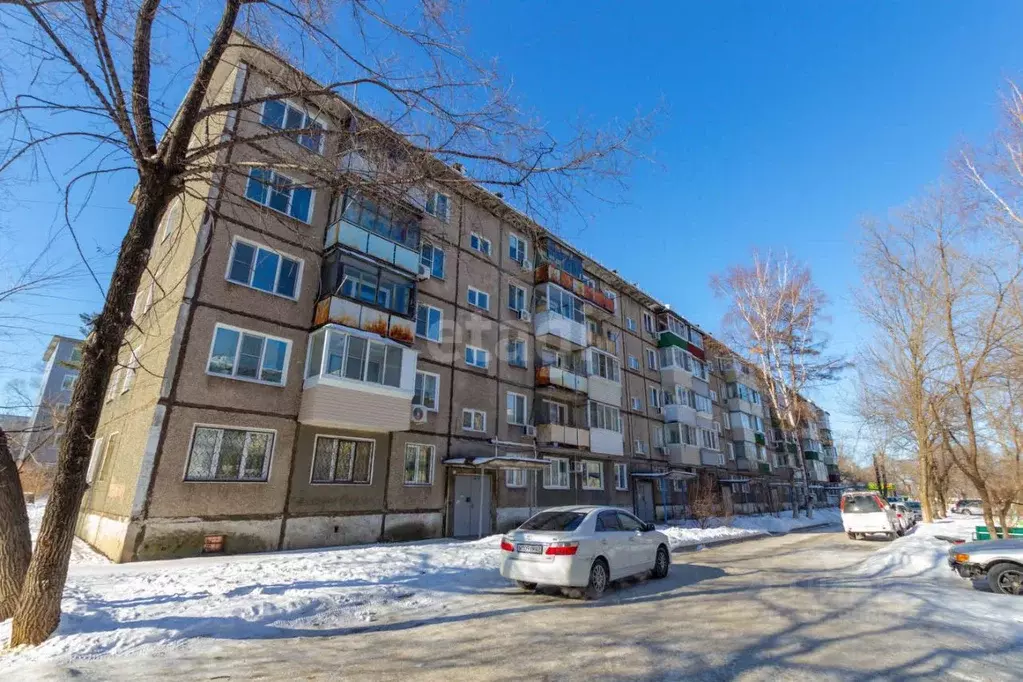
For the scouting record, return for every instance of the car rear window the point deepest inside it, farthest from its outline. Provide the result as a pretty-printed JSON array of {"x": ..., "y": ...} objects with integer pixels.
[
  {"x": 554, "y": 520},
  {"x": 862, "y": 504},
  {"x": 913, "y": 505}
]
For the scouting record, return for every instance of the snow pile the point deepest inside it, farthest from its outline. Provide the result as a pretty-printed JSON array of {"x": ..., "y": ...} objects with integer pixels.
[
  {"x": 921, "y": 553},
  {"x": 122, "y": 608},
  {"x": 688, "y": 533},
  {"x": 81, "y": 553}
]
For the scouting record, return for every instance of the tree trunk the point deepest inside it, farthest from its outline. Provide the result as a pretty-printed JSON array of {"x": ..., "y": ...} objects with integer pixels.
[
  {"x": 38, "y": 611},
  {"x": 926, "y": 467},
  {"x": 15, "y": 539}
]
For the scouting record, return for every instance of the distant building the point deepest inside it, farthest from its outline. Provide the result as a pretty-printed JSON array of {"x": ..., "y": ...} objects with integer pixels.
[
  {"x": 62, "y": 358},
  {"x": 15, "y": 426}
]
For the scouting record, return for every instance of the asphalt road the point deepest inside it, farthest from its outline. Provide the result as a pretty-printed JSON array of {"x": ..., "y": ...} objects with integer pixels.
[{"x": 777, "y": 608}]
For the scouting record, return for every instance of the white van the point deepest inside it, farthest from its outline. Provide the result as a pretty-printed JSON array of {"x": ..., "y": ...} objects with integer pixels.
[{"x": 866, "y": 513}]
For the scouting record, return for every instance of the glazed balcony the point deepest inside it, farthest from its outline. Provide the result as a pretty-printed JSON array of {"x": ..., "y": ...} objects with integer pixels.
[
  {"x": 357, "y": 380},
  {"x": 562, "y": 435},
  {"x": 561, "y": 377},
  {"x": 712, "y": 458},
  {"x": 384, "y": 231},
  {"x": 597, "y": 301}
]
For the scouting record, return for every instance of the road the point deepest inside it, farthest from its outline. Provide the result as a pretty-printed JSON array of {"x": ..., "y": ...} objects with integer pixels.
[{"x": 773, "y": 609}]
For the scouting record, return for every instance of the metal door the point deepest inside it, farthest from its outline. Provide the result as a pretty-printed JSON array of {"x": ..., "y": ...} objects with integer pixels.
[
  {"x": 472, "y": 506},
  {"x": 645, "y": 501}
]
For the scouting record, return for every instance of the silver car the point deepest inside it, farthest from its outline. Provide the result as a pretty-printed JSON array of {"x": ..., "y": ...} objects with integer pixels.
[
  {"x": 1000, "y": 560},
  {"x": 583, "y": 549}
]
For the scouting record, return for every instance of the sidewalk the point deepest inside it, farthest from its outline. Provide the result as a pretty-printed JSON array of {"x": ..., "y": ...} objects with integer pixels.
[{"x": 686, "y": 536}]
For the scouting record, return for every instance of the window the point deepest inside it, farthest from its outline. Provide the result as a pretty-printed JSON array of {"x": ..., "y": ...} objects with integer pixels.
[
  {"x": 713, "y": 396},
  {"x": 261, "y": 268},
  {"x": 717, "y": 427},
  {"x": 555, "y": 474},
  {"x": 648, "y": 323},
  {"x": 659, "y": 437},
  {"x": 476, "y": 357},
  {"x": 515, "y": 478},
  {"x": 709, "y": 439},
  {"x": 382, "y": 218},
  {"x": 516, "y": 352},
  {"x": 682, "y": 434},
  {"x": 565, "y": 304},
  {"x": 639, "y": 446},
  {"x": 438, "y": 205},
  {"x": 730, "y": 451},
  {"x": 359, "y": 280},
  {"x": 556, "y": 413},
  {"x": 516, "y": 405},
  {"x": 651, "y": 358},
  {"x": 474, "y": 420},
  {"x": 128, "y": 375},
  {"x": 143, "y": 302},
  {"x": 629, "y": 523},
  {"x": 607, "y": 522},
  {"x": 427, "y": 391},
  {"x": 655, "y": 397},
  {"x": 248, "y": 356},
  {"x": 516, "y": 298},
  {"x": 113, "y": 383},
  {"x": 279, "y": 192},
  {"x": 700, "y": 369},
  {"x": 479, "y": 299},
  {"x": 479, "y": 243},
  {"x": 109, "y": 455},
  {"x": 221, "y": 454},
  {"x": 603, "y": 416},
  {"x": 428, "y": 322},
  {"x": 604, "y": 366},
  {"x": 621, "y": 476},
  {"x": 633, "y": 362},
  {"x": 517, "y": 249},
  {"x": 94, "y": 459},
  {"x": 702, "y": 403},
  {"x": 342, "y": 460},
  {"x": 171, "y": 217},
  {"x": 419, "y": 464},
  {"x": 630, "y": 324},
  {"x": 68, "y": 382},
  {"x": 637, "y": 404},
  {"x": 76, "y": 355},
  {"x": 285, "y": 115},
  {"x": 432, "y": 258},
  {"x": 356, "y": 358},
  {"x": 678, "y": 485}
]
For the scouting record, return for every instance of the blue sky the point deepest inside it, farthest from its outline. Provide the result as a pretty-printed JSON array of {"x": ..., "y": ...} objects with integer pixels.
[{"x": 786, "y": 123}]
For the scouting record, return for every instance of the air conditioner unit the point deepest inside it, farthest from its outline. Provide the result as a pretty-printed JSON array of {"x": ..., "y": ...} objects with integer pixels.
[
  {"x": 525, "y": 316},
  {"x": 527, "y": 264},
  {"x": 424, "y": 273},
  {"x": 418, "y": 414},
  {"x": 530, "y": 430}
]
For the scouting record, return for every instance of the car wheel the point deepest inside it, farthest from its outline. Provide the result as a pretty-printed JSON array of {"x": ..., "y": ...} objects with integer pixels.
[
  {"x": 1006, "y": 579},
  {"x": 852, "y": 536},
  {"x": 900, "y": 532},
  {"x": 662, "y": 563},
  {"x": 528, "y": 587},
  {"x": 600, "y": 577}
]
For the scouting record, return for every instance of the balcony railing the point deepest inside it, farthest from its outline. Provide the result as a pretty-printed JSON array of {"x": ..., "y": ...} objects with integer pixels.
[
  {"x": 345, "y": 312},
  {"x": 561, "y": 434},
  {"x": 372, "y": 244},
  {"x": 601, "y": 343},
  {"x": 712, "y": 459},
  {"x": 550, "y": 323},
  {"x": 558, "y": 376},
  {"x": 549, "y": 273}
]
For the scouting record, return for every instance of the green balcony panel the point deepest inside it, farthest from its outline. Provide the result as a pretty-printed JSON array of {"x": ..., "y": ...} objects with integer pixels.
[{"x": 668, "y": 338}]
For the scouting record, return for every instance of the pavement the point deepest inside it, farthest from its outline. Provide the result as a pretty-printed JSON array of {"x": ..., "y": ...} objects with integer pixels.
[{"x": 777, "y": 608}]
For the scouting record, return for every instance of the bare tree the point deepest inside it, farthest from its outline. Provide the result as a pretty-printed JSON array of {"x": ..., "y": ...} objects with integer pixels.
[
  {"x": 15, "y": 541},
  {"x": 774, "y": 318},
  {"x": 96, "y": 63}
]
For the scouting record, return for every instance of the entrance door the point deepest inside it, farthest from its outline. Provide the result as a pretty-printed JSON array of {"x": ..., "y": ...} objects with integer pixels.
[
  {"x": 645, "y": 501},
  {"x": 470, "y": 503}
]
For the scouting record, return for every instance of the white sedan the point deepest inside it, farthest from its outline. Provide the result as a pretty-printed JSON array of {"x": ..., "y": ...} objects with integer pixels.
[{"x": 583, "y": 548}]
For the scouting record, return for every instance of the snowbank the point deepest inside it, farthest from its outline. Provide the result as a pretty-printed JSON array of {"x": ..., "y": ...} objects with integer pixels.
[
  {"x": 81, "y": 553},
  {"x": 688, "y": 533}
]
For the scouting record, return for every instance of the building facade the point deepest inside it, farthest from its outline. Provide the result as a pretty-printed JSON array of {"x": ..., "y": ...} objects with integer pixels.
[
  {"x": 313, "y": 368},
  {"x": 43, "y": 432}
]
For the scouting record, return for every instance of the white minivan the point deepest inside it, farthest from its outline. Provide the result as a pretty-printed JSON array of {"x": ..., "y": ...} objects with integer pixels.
[{"x": 866, "y": 513}]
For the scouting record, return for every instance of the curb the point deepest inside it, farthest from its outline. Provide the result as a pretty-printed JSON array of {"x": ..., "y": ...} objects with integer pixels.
[{"x": 696, "y": 546}]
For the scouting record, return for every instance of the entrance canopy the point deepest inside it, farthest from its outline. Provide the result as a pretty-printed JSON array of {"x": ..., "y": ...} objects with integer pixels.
[
  {"x": 498, "y": 462},
  {"x": 671, "y": 475}
]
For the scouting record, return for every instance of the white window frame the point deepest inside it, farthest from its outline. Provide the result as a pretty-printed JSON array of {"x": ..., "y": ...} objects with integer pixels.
[
  {"x": 95, "y": 458},
  {"x": 436, "y": 391},
  {"x": 519, "y": 290},
  {"x": 266, "y": 467},
  {"x": 637, "y": 403},
  {"x": 472, "y": 420},
  {"x": 566, "y": 475},
  {"x": 291, "y": 196},
  {"x": 730, "y": 450},
  {"x": 483, "y": 245},
  {"x": 713, "y": 396},
  {"x": 608, "y": 410},
  {"x": 109, "y": 453},
  {"x": 234, "y": 369},
  {"x": 433, "y": 249},
  {"x": 648, "y": 323},
  {"x": 515, "y": 478},
  {"x": 525, "y": 408},
  {"x": 633, "y": 362},
  {"x": 307, "y": 116},
  {"x": 134, "y": 362},
  {"x": 277, "y": 276},
  {"x": 476, "y": 351},
  {"x": 621, "y": 476},
  {"x": 474, "y": 293},
  {"x": 639, "y": 446},
  {"x": 432, "y": 195},
  {"x": 655, "y": 397},
  {"x": 587, "y": 463},
  {"x": 68, "y": 386},
  {"x": 525, "y": 352},
  {"x": 171, "y": 217},
  {"x": 431, "y": 450},
  {"x": 630, "y": 324},
  {"x": 372, "y": 460},
  {"x": 651, "y": 359},
  {"x": 440, "y": 322},
  {"x": 523, "y": 248}
]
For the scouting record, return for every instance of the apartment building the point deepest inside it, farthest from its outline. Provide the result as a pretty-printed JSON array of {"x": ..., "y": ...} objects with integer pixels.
[
  {"x": 335, "y": 366},
  {"x": 43, "y": 432}
]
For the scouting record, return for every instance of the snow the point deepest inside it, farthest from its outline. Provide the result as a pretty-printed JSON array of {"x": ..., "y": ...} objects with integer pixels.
[
  {"x": 688, "y": 533},
  {"x": 81, "y": 553}
]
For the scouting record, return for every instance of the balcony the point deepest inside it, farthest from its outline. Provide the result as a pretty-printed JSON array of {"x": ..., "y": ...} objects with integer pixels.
[
  {"x": 606, "y": 442},
  {"x": 561, "y": 434},
  {"x": 558, "y": 376},
  {"x": 342, "y": 311},
  {"x": 764, "y": 467},
  {"x": 674, "y": 412},
  {"x": 811, "y": 455},
  {"x": 357, "y": 380},
  {"x": 601, "y": 343},
  {"x": 712, "y": 458},
  {"x": 550, "y": 327},
  {"x": 382, "y": 248},
  {"x": 601, "y": 302}
]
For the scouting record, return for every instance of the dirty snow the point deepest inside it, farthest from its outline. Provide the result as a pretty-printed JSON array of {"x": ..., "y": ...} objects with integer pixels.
[{"x": 688, "y": 533}]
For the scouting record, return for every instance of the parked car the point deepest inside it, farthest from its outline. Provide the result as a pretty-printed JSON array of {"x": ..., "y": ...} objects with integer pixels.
[
  {"x": 968, "y": 508},
  {"x": 915, "y": 509},
  {"x": 903, "y": 516},
  {"x": 583, "y": 549},
  {"x": 1001, "y": 561},
  {"x": 867, "y": 513}
]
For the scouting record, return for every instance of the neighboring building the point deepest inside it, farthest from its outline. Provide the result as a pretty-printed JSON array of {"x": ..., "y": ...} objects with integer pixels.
[
  {"x": 15, "y": 426},
  {"x": 333, "y": 368},
  {"x": 43, "y": 433}
]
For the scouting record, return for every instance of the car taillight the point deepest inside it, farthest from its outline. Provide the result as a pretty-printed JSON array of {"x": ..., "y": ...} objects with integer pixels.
[
  {"x": 506, "y": 545},
  {"x": 562, "y": 549},
  {"x": 899, "y": 515}
]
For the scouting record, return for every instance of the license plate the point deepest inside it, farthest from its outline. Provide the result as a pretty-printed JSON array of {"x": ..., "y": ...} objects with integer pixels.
[{"x": 529, "y": 549}]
